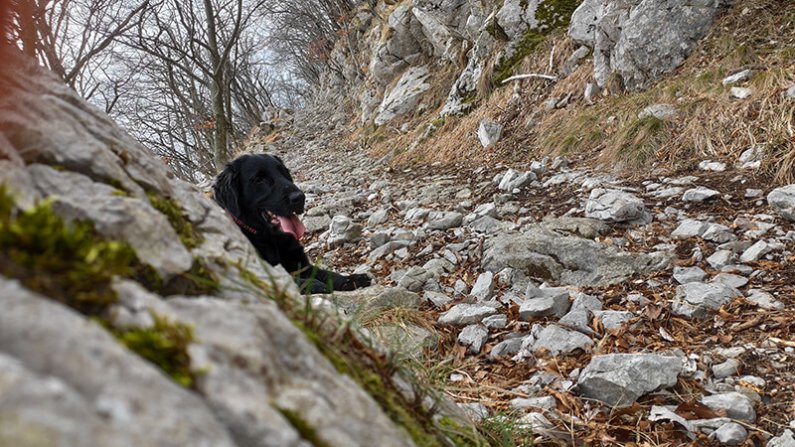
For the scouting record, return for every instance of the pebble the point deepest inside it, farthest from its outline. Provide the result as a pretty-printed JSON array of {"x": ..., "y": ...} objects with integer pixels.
[{"x": 731, "y": 434}]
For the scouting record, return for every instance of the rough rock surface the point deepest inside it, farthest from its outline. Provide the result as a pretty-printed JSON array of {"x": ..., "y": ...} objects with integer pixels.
[
  {"x": 619, "y": 379},
  {"x": 75, "y": 383}
]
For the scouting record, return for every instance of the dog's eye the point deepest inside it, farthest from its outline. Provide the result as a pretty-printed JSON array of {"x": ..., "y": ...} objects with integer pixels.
[{"x": 263, "y": 179}]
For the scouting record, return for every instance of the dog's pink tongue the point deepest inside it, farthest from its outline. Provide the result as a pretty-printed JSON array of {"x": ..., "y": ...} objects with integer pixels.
[{"x": 292, "y": 225}]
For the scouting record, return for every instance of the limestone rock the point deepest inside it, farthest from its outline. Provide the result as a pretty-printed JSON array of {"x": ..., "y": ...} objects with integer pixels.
[
  {"x": 782, "y": 200},
  {"x": 615, "y": 206},
  {"x": 405, "y": 96},
  {"x": 489, "y": 132},
  {"x": 619, "y": 379},
  {"x": 694, "y": 300},
  {"x": 736, "y": 405},
  {"x": 464, "y": 314}
]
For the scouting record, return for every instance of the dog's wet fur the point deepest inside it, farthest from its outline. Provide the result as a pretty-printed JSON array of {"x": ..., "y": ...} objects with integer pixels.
[{"x": 259, "y": 193}]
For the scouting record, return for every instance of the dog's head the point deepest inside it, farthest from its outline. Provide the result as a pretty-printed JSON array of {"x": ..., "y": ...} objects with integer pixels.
[{"x": 259, "y": 191}]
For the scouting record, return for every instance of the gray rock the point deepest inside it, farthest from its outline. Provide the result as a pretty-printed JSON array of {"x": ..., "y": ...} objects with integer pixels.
[
  {"x": 257, "y": 345},
  {"x": 740, "y": 76},
  {"x": 487, "y": 225},
  {"x": 387, "y": 249},
  {"x": 720, "y": 259},
  {"x": 444, "y": 220},
  {"x": 615, "y": 206},
  {"x": 620, "y": 379},
  {"x": 731, "y": 434},
  {"x": 612, "y": 319},
  {"x": 690, "y": 228},
  {"x": 718, "y": 233},
  {"x": 489, "y": 132},
  {"x": 473, "y": 336},
  {"x": 507, "y": 347},
  {"x": 401, "y": 49},
  {"x": 378, "y": 217},
  {"x": 584, "y": 21},
  {"x": 659, "y": 111},
  {"x": 483, "y": 289},
  {"x": 404, "y": 97},
  {"x": 129, "y": 395},
  {"x": 699, "y": 194},
  {"x": 496, "y": 322},
  {"x": 764, "y": 300},
  {"x": 438, "y": 299},
  {"x": 577, "y": 226},
  {"x": 343, "y": 230},
  {"x": 791, "y": 92},
  {"x": 755, "y": 252},
  {"x": 77, "y": 197},
  {"x": 644, "y": 52},
  {"x": 751, "y": 158},
  {"x": 555, "y": 340},
  {"x": 316, "y": 224},
  {"x": 736, "y": 405},
  {"x": 582, "y": 307},
  {"x": 379, "y": 239},
  {"x": 731, "y": 280},
  {"x": 726, "y": 369},
  {"x": 465, "y": 314},
  {"x": 782, "y": 200},
  {"x": 549, "y": 255},
  {"x": 785, "y": 439},
  {"x": 694, "y": 300},
  {"x": 544, "y": 303},
  {"x": 684, "y": 275},
  {"x": 414, "y": 279}
]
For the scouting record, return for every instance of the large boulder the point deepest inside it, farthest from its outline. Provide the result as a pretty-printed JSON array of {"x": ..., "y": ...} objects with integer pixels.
[
  {"x": 405, "y": 96},
  {"x": 565, "y": 259},
  {"x": 641, "y": 40},
  {"x": 403, "y": 48}
]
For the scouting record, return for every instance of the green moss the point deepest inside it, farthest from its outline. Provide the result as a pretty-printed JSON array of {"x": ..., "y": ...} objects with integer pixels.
[
  {"x": 555, "y": 14},
  {"x": 526, "y": 45},
  {"x": 199, "y": 280},
  {"x": 165, "y": 344},
  {"x": 306, "y": 431},
  {"x": 69, "y": 263},
  {"x": 187, "y": 233}
]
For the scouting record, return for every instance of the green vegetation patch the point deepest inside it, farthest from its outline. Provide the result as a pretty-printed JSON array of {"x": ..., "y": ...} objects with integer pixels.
[
  {"x": 165, "y": 344},
  {"x": 306, "y": 431},
  {"x": 69, "y": 263},
  {"x": 550, "y": 15},
  {"x": 640, "y": 139},
  {"x": 187, "y": 233}
]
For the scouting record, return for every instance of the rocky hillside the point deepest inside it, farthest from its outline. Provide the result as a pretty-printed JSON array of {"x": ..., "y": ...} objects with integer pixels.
[
  {"x": 460, "y": 81},
  {"x": 567, "y": 306}
]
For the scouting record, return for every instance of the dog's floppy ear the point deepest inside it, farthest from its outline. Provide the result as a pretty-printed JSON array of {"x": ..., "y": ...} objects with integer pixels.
[{"x": 226, "y": 189}]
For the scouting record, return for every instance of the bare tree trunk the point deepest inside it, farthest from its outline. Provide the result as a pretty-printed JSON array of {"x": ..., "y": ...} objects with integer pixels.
[{"x": 220, "y": 149}]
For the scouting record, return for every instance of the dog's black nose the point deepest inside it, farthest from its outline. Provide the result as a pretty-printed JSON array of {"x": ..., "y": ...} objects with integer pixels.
[{"x": 296, "y": 200}]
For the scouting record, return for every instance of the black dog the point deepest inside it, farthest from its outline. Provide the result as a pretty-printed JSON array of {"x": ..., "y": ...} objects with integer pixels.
[{"x": 259, "y": 194}]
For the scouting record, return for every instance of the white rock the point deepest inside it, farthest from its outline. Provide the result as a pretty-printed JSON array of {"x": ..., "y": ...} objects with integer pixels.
[
  {"x": 736, "y": 405},
  {"x": 699, "y": 194},
  {"x": 489, "y": 132},
  {"x": 720, "y": 259},
  {"x": 755, "y": 252},
  {"x": 694, "y": 300},
  {"x": 730, "y": 434},
  {"x": 684, "y": 275},
  {"x": 464, "y": 314},
  {"x": 782, "y": 200},
  {"x": 741, "y": 92},
  {"x": 474, "y": 336},
  {"x": 483, "y": 289},
  {"x": 740, "y": 76},
  {"x": 764, "y": 300},
  {"x": 659, "y": 111},
  {"x": 615, "y": 206},
  {"x": 726, "y": 369}
]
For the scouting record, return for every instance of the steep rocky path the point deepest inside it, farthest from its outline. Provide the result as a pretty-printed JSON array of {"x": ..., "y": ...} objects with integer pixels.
[{"x": 598, "y": 311}]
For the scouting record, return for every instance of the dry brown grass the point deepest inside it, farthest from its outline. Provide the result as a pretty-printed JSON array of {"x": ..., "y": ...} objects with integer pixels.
[{"x": 709, "y": 123}]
